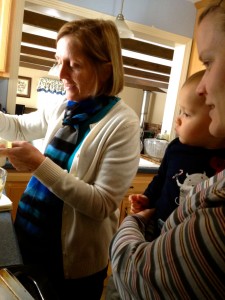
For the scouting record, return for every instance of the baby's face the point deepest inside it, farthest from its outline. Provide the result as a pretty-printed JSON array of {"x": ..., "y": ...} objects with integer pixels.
[{"x": 192, "y": 124}]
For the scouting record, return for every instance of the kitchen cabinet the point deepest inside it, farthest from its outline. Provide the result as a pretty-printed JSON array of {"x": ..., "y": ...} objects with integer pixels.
[
  {"x": 15, "y": 186},
  {"x": 138, "y": 186},
  {"x": 5, "y": 17}
]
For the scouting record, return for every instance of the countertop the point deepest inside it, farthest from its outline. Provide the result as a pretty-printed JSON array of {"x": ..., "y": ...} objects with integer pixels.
[
  {"x": 148, "y": 165},
  {"x": 32, "y": 277},
  {"x": 9, "y": 249}
]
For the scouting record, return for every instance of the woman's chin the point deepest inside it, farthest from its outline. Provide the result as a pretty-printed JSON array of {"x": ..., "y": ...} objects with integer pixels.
[
  {"x": 71, "y": 96},
  {"x": 217, "y": 130}
]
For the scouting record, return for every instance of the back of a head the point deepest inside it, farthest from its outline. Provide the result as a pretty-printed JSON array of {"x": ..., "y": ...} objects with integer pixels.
[
  {"x": 194, "y": 78},
  {"x": 100, "y": 42},
  {"x": 216, "y": 7},
  {"x": 189, "y": 89}
]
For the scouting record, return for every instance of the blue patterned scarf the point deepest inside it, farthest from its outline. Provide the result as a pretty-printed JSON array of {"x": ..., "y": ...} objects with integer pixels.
[{"x": 39, "y": 213}]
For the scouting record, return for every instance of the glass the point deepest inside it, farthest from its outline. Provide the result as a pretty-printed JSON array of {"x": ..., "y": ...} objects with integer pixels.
[{"x": 3, "y": 177}]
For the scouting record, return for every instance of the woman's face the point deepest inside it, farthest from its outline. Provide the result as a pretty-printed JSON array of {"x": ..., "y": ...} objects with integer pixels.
[
  {"x": 211, "y": 48},
  {"x": 76, "y": 70}
]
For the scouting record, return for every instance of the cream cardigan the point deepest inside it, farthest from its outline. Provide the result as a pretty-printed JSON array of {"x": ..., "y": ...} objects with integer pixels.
[{"x": 101, "y": 173}]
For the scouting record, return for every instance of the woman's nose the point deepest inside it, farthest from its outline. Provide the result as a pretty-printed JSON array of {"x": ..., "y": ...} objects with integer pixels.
[{"x": 63, "y": 72}]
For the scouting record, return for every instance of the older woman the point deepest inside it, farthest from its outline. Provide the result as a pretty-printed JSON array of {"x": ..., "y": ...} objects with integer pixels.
[
  {"x": 68, "y": 214},
  {"x": 187, "y": 261}
]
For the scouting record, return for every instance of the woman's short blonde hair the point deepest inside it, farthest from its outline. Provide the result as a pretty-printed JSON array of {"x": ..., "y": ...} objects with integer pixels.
[{"x": 100, "y": 42}]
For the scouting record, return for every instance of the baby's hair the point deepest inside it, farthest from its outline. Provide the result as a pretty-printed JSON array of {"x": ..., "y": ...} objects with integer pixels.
[{"x": 196, "y": 77}]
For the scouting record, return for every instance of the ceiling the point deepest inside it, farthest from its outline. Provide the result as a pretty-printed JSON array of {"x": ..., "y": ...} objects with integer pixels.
[{"x": 38, "y": 51}]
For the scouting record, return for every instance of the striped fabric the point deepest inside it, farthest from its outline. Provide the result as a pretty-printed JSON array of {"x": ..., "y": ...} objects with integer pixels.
[
  {"x": 40, "y": 211},
  {"x": 187, "y": 261},
  {"x": 39, "y": 215}
]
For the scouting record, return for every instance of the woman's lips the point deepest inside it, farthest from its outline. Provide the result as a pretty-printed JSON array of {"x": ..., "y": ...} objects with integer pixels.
[
  {"x": 68, "y": 85},
  {"x": 211, "y": 107}
]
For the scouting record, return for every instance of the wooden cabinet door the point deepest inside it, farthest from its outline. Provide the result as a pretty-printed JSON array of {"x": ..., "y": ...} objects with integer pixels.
[
  {"x": 138, "y": 186},
  {"x": 14, "y": 191},
  {"x": 5, "y": 14}
]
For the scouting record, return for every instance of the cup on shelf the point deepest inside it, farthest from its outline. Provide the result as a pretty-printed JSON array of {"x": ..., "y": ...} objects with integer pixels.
[{"x": 3, "y": 177}]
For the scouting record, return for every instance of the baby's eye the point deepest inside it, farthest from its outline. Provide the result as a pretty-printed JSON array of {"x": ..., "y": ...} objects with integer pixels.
[{"x": 186, "y": 115}]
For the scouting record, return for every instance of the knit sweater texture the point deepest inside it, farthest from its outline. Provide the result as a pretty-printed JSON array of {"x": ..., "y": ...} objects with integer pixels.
[{"x": 91, "y": 191}]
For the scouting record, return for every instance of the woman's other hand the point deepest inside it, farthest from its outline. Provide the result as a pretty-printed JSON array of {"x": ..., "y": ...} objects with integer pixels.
[
  {"x": 147, "y": 213},
  {"x": 23, "y": 156}
]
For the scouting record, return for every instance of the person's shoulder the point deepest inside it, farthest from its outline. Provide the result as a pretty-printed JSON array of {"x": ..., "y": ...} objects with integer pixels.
[
  {"x": 174, "y": 143},
  {"x": 123, "y": 110},
  {"x": 175, "y": 146}
]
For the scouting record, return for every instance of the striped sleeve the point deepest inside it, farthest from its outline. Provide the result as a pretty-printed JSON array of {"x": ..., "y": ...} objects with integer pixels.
[{"x": 187, "y": 261}]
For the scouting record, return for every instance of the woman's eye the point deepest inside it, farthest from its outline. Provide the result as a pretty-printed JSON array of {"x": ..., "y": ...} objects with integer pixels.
[
  {"x": 75, "y": 66},
  {"x": 206, "y": 63}
]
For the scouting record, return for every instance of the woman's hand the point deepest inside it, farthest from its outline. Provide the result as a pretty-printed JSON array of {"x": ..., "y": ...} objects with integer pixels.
[
  {"x": 147, "y": 213},
  {"x": 23, "y": 156}
]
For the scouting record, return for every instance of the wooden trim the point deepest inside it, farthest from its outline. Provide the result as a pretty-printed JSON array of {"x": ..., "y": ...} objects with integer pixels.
[
  {"x": 14, "y": 175},
  {"x": 5, "y": 15},
  {"x": 38, "y": 40},
  {"x": 144, "y": 84},
  {"x": 147, "y": 48},
  {"x": 37, "y": 61},
  {"x": 33, "y": 66},
  {"x": 138, "y": 68},
  {"x": 142, "y": 64},
  {"x": 147, "y": 75},
  {"x": 42, "y": 21},
  {"x": 37, "y": 52}
]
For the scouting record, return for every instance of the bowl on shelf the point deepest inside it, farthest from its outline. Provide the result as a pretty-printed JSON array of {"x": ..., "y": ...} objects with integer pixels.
[{"x": 155, "y": 148}]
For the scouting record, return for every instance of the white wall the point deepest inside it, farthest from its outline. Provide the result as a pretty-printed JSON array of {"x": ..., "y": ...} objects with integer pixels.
[
  {"x": 156, "y": 108},
  {"x": 133, "y": 97},
  {"x": 176, "y": 16},
  {"x": 35, "y": 75}
]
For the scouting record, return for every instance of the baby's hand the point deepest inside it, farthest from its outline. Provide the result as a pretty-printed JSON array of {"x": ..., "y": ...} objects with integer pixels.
[{"x": 138, "y": 202}]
